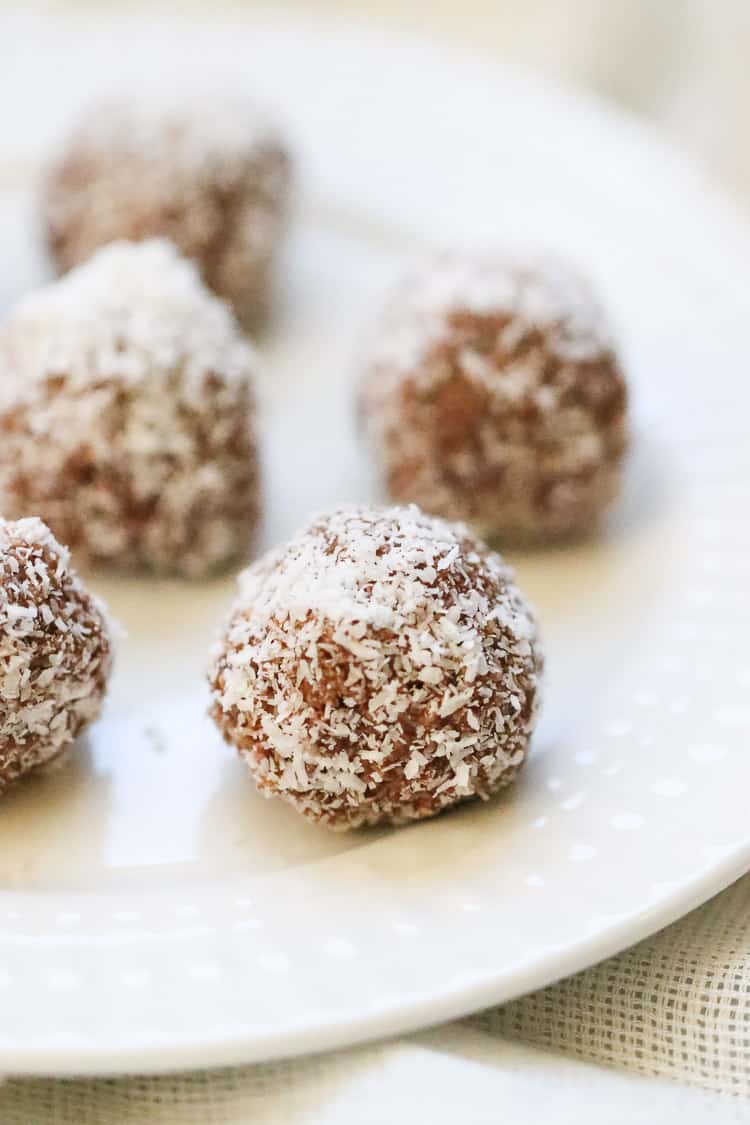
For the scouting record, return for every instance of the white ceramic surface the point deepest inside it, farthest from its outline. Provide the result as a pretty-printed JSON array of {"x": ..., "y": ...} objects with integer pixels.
[{"x": 154, "y": 912}]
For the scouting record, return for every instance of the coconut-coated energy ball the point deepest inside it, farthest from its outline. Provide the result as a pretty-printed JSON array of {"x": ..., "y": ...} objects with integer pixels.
[
  {"x": 55, "y": 652},
  {"x": 127, "y": 414},
  {"x": 210, "y": 175},
  {"x": 379, "y": 668},
  {"x": 492, "y": 394}
]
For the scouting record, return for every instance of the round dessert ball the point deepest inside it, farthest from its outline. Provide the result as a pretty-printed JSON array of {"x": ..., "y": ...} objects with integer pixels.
[
  {"x": 493, "y": 394},
  {"x": 127, "y": 414},
  {"x": 379, "y": 668},
  {"x": 55, "y": 653},
  {"x": 211, "y": 176}
]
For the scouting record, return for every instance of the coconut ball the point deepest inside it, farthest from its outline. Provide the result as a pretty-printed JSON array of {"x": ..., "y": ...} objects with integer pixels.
[
  {"x": 493, "y": 394},
  {"x": 212, "y": 176},
  {"x": 55, "y": 653},
  {"x": 380, "y": 667},
  {"x": 127, "y": 414}
]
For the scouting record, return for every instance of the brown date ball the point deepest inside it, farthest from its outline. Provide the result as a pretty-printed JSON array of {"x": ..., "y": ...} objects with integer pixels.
[
  {"x": 127, "y": 414},
  {"x": 380, "y": 667},
  {"x": 55, "y": 651},
  {"x": 493, "y": 394},
  {"x": 211, "y": 176}
]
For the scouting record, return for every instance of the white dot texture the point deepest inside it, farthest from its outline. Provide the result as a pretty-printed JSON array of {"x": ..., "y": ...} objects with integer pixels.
[
  {"x": 669, "y": 787},
  {"x": 734, "y": 716},
  {"x": 135, "y": 978},
  {"x": 205, "y": 972},
  {"x": 273, "y": 963},
  {"x": 628, "y": 821},
  {"x": 570, "y": 804},
  {"x": 707, "y": 753},
  {"x": 68, "y": 918},
  {"x": 187, "y": 911},
  {"x": 618, "y": 728},
  {"x": 339, "y": 947},
  {"x": 406, "y": 929},
  {"x": 63, "y": 980},
  {"x": 247, "y": 924}
]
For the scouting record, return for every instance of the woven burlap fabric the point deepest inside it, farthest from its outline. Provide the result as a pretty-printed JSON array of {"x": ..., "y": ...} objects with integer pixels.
[
  {"x": 455, "y": 1073},
  {"x": 676, "y": 1005}
]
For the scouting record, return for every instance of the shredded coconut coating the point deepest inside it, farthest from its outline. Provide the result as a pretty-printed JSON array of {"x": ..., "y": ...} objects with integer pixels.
[
  {"x": 127, "y": 414},
  {"x": 55, "y": 652},
  {"x": 212, "y": 176},
  {"x": 493, "y": 394},
  {"x": 380, "y": 667}
]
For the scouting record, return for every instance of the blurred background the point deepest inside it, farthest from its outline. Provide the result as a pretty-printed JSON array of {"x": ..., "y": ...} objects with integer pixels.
[{"x": 684, "y": 64}]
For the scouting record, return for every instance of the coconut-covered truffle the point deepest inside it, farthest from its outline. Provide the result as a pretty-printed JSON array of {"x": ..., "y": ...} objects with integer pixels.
[
  {"x": 492, "y": 394},
  {"x": 127, "y": 416},
  {"x": 54, "y": 650},
  {"x": 212, "y": 176},
  {"x": 380, "y": 667}
]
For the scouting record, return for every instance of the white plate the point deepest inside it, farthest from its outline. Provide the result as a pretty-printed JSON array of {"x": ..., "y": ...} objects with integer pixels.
[{"x": 154, "y": 912}]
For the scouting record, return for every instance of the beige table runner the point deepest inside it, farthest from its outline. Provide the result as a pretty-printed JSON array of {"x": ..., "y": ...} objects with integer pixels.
[{"x": 676, "y": 1005}]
